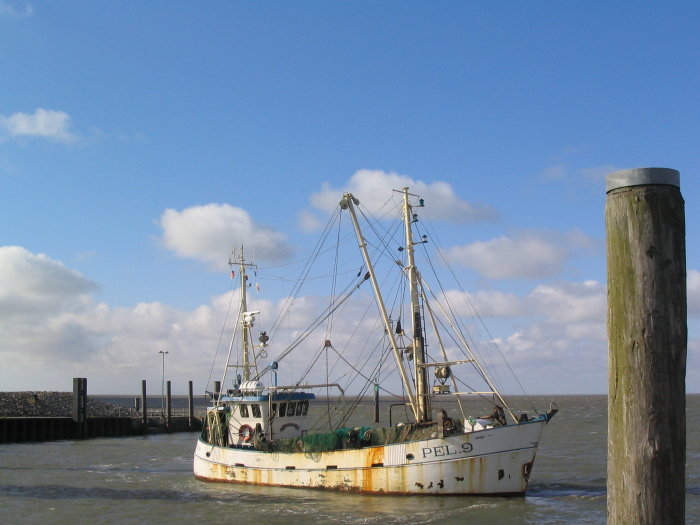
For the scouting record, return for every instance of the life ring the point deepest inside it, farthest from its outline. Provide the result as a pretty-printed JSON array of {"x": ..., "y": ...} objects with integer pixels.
[
  {"x": 289, "y": 425},
  {"x": 245, "y": 433}
]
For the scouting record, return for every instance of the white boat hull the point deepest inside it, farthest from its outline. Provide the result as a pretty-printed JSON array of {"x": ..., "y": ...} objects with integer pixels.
[{"x": 495, "y": 461}]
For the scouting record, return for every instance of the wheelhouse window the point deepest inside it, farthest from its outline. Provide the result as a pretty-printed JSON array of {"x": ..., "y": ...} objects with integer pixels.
[
  {"x": 273, "y": 409},
  {"x": 283, "y": 409},
  {"x": 255, "y": 408},
  {"x": 300, "y": 407},
  {"x": 244, "y": 410},
  {"x": 291, "y": 408},
  {"x": 304, "y": 408}
]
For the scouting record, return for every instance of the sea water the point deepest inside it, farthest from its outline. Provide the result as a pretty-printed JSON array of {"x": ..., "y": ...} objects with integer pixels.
[{"x": 144, "y": 480}]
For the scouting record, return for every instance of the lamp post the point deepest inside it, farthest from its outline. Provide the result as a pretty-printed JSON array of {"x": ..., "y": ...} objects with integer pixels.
[{"x": 162, "y": 386}]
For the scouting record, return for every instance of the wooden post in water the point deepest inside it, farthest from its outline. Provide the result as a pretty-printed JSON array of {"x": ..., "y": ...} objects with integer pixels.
[
  {"x": 80, "y": 406},
  {"x": 144, "y": 403},
  {"x": 169, "y": 405},
  {"x": 190, "y": 406},
  {"x": 647, "y": 334}
]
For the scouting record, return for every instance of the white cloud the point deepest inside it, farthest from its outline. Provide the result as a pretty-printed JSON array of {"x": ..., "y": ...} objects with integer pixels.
[
  {"x": 555, "y": 329},
  {"x": 35, "y": 291},
  {"x": 487, "y": 303},
  {"x": 562, "y": 172},
  {"x": 374, "y": 189},
  {"x": 44, "y": 123},
  {"x": 209, "y": 233},
  {"x": 561, "y": 339},
  {"x": 562, "y": 303},
  {"x": 527, "y": 255},
  {"x": 7, "y": 9},
  {"x": 597, "y": 174},
  {"x": 309, "y": 222},
  {"x": 558, "y": 346},
  {"x": 554, "y": 172},
  {"x": 35, "y": 283},
  {"x": 565, "y": 303},
  {"x": 52, "y": 330}
]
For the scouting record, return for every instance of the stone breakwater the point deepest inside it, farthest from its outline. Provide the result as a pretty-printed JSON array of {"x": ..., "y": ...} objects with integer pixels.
[{"x": 55, "y": 404}]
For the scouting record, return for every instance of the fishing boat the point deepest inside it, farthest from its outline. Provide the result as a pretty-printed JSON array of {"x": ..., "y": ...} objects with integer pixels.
[{"x": 304, "y": 433}]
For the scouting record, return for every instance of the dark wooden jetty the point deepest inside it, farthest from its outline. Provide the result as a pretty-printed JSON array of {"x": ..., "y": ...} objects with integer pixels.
[{"x": 82, "y": 426}]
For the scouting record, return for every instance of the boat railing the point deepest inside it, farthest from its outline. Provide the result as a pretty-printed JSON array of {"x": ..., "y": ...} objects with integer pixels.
[
  {"x": 174, "y": 412},
  {"x": 305, "y": 387}
]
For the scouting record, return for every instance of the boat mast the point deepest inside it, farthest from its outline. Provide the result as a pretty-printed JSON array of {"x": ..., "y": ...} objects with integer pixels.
[
  {"x": 247, "y": 317},
  {"x": 348, "y": 203},
  {"x": 422, "y": 395}
]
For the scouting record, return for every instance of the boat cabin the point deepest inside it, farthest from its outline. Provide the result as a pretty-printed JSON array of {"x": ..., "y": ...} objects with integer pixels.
[{"x": 251, "y": 409}]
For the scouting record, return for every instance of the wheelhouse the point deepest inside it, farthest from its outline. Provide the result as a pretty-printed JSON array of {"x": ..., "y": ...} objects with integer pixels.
[{"x": 253, "y": 412}]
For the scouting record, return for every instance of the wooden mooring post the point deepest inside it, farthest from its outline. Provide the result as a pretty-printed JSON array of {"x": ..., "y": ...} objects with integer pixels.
[
  {"x": 190, "y": 405},
  {"x": 80, "y": 406},
  {"x": 647, "y": 333},
  {"x": 169, "y": 406},
  {"x": 144, "y": 403}
]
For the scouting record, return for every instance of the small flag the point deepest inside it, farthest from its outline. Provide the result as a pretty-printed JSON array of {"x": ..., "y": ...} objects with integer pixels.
[{"x": 233, "y": 274}]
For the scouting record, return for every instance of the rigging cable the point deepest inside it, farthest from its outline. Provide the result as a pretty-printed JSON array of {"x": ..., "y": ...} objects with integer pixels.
[
  {"x": 442, "y": 255},
  {"x": 291, "y": 298},
  {"x": 483, "y": 324},
  {"x": 317, "y": 322},
  {"x": 221, "y": 336}
]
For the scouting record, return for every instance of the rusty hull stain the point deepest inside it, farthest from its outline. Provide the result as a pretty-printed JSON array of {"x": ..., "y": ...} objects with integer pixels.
[{"x": 333, "y": 471}]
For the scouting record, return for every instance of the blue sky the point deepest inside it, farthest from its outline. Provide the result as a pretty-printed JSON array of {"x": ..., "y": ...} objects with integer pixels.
[{"x": 140, "y": 142}]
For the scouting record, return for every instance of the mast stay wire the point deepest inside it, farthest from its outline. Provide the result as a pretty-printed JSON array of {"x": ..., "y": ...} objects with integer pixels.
[
  {"x": 291, "y": 298},
  {"x": 316, "y": 323},
  {"x": 221, "y": 336},
  {"x": 465, "y": 296},
  {"x": 331, "y": 308}
]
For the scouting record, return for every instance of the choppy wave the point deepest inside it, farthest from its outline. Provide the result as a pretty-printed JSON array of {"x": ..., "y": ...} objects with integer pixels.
[{"x": 126, "y": 481}]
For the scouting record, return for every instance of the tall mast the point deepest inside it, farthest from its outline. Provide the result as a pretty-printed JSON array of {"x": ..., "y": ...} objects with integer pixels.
[
  {"x": 422, "y": 395},
  {"x": 348, "y": 202},
  {"x": 244, "y": 308},
  {"x": 247, "y": 319}
]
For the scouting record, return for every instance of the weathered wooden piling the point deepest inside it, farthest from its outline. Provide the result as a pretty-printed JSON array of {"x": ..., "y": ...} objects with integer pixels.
[
  {"x": 144, "y": 402},
  {"x": 80, "y": 406},
  {"x": 190, "y": 405},
  {"x": 647, "y": 333},
  {"x": 169, "y": 406}
]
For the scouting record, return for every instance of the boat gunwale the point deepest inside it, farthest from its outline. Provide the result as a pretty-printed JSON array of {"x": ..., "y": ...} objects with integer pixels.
[
  {"x": 542, "y": 419},
  {"x": 413, "y": 464}
]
